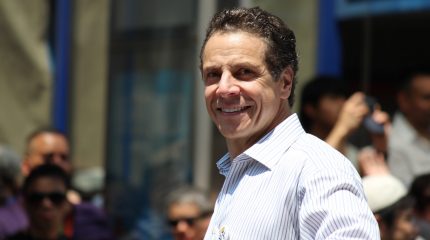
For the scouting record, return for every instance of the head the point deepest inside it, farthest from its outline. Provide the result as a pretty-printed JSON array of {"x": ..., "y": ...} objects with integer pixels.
[
  {"x": 45, "y": 201},
  {"x": 420, "y": 190},
  {"x": 322, "y": 99},
  {"x": 396, "y": 221},
  {"x": 10, "y": 173},
  {"x": 47, "y": 146},
  {"x": 413, "y": 98},
  {"x": 386, "y": 197},
  {"x": 248, "y": 64},
  {"x": 188, "y": 212}
]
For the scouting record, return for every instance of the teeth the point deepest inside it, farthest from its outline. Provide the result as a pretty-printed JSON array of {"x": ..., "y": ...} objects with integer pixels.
[{"x": 231, "y": 110}]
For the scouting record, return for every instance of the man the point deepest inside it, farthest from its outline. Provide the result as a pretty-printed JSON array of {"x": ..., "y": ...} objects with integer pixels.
[
  {"x": 44, "y": 194},
  {"x": 188, "y": 212},
  {"x": 328, "y": 113},
  {"x": 393, "y": 209},
  {"x": 409, "y": 142},
  {"x": 52, "y": 216},
  {"x": 281, "y": 183},
  {"x": 47, "y": 145},
  {"x": 50, "y": 146},
  {"x": 420, "y": 190}
]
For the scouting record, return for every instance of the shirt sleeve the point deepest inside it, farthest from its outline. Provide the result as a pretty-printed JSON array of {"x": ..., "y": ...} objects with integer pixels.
[{"x": 333, "y": 206}]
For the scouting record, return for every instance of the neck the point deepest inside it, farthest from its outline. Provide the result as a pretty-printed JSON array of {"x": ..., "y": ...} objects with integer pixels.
[{"x": 48, "y": 234}]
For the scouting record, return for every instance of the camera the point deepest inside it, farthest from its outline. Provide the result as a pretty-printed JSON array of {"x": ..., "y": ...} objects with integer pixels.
[{"x": 368, "y": 122}]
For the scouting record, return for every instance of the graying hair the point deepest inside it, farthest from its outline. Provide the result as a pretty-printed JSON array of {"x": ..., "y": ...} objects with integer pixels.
[{"x": 188, "y": 194}]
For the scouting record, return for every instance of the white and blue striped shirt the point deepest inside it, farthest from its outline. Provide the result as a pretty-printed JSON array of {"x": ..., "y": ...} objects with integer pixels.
[{"x": 290, "y": 185}]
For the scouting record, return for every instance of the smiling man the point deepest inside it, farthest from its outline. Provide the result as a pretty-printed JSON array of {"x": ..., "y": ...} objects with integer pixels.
[{"x": 281, "y": 183}]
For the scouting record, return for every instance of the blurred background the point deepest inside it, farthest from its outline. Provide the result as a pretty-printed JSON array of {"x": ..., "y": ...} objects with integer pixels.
[{"x": 121, "y": 79}]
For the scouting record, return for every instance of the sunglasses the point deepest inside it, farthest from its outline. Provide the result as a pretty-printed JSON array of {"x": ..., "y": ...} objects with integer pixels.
[
  {"x": 49, "y": 157},
  {"x": 190, "y": 221},
  {"x": 37, "y": 198}
]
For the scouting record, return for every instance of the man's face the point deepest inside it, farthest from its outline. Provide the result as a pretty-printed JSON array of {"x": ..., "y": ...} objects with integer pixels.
[
  {"x": 187, "y": 222},
  {"x": 416, "y": 103},
  {"x": 404, "y": 227},
  {"x": 327, "y": 110},
  {"x": 48, "y": 148},
  {"x": 46, "y": 203},
  {"x": 241, "y": 96}
]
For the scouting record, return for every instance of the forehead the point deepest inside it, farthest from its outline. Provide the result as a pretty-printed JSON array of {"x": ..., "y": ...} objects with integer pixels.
[
  {"x": 47, "y": 184},
  {"x": 49, "y": 141},
  {"x": 233, "y": 46},
  {"x": 421, "y": 82}
]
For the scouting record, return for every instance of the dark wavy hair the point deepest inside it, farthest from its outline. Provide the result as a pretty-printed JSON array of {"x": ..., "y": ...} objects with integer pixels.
[{"x": 280, "y": 40}]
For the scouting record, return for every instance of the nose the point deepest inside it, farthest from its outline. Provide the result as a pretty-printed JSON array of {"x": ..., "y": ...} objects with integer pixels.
[
  {"x": 227, "y": 86},
  {"x": 46, "y": 202},
  {"x": 182, "y": 226}
]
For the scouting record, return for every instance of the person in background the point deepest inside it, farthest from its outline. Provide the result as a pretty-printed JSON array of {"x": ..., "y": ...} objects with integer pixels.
[
  {"x": 188, "y": 211},
  {"x": 12, "y": 216},
  {"x": 392, "y": 207},
  {"x": 420, "y": 190},
  {"x": 51, "y": 215},
  {"x": 281, "y": 183},
  {"x": 327, "y": 112},
  {"x": 409, "y": 142},
  {"x": 47, "y": 145},
  {"x": 44, "y": 193},
  {"x": 50, "y": 146}
]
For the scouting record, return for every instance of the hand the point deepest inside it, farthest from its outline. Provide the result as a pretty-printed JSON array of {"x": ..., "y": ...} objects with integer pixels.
[
  {"x": 350, "y": 117},
  {"x": 372, "y": 162}
]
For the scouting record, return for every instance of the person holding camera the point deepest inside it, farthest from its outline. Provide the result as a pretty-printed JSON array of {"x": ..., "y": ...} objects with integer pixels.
[{"x": 330, "y": 114}]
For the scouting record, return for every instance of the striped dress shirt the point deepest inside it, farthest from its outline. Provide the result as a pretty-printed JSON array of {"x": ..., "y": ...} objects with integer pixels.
[{"x": 290, "y": 185}]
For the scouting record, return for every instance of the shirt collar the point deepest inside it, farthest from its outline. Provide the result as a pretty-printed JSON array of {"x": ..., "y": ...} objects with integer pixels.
[{"x": 269, "y": 149}]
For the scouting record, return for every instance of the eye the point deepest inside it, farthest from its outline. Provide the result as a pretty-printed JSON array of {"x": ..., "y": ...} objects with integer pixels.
[
  {"x": 211, "y": 77},
  {"x": 245, "y": 74}
]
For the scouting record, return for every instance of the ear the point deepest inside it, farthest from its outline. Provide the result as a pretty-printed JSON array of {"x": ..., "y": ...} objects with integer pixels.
[
  {"x": 25, "y": 168},
  {"x": 286, "y": 82},
  {"x": 402, "y": 101}
]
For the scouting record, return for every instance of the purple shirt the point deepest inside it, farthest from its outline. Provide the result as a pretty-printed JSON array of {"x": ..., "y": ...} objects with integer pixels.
[{"x": 12, "y": 218}]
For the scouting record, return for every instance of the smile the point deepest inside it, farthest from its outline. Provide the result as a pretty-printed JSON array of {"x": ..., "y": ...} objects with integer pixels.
[{"x": 233, "y": 110}]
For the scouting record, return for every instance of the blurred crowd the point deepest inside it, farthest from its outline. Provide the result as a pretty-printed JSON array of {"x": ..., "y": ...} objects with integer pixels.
[{"x": 395, "y": 162}]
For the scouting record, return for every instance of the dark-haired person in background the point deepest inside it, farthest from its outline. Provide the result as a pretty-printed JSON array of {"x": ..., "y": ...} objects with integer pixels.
[
  {"x": 51, "y": 215},
  {"x": 281, "y": 183},
  {"x": 328, "y": 112},
  {"x": 44, "y": 193},
  {"x": 420, "y": 190},
  {"x": 409, "y": 142}
]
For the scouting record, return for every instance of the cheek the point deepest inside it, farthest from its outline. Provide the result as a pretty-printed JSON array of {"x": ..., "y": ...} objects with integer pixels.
[{"x": 209, "y": 93}]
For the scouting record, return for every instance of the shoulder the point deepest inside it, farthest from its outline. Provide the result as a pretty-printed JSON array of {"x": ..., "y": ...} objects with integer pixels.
[
  {"x": 86, "y": 210},
  {"x": 321, "y": 163},
  {"x": 318, "y": 154},
  {"x": 91, "y": 222}
]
